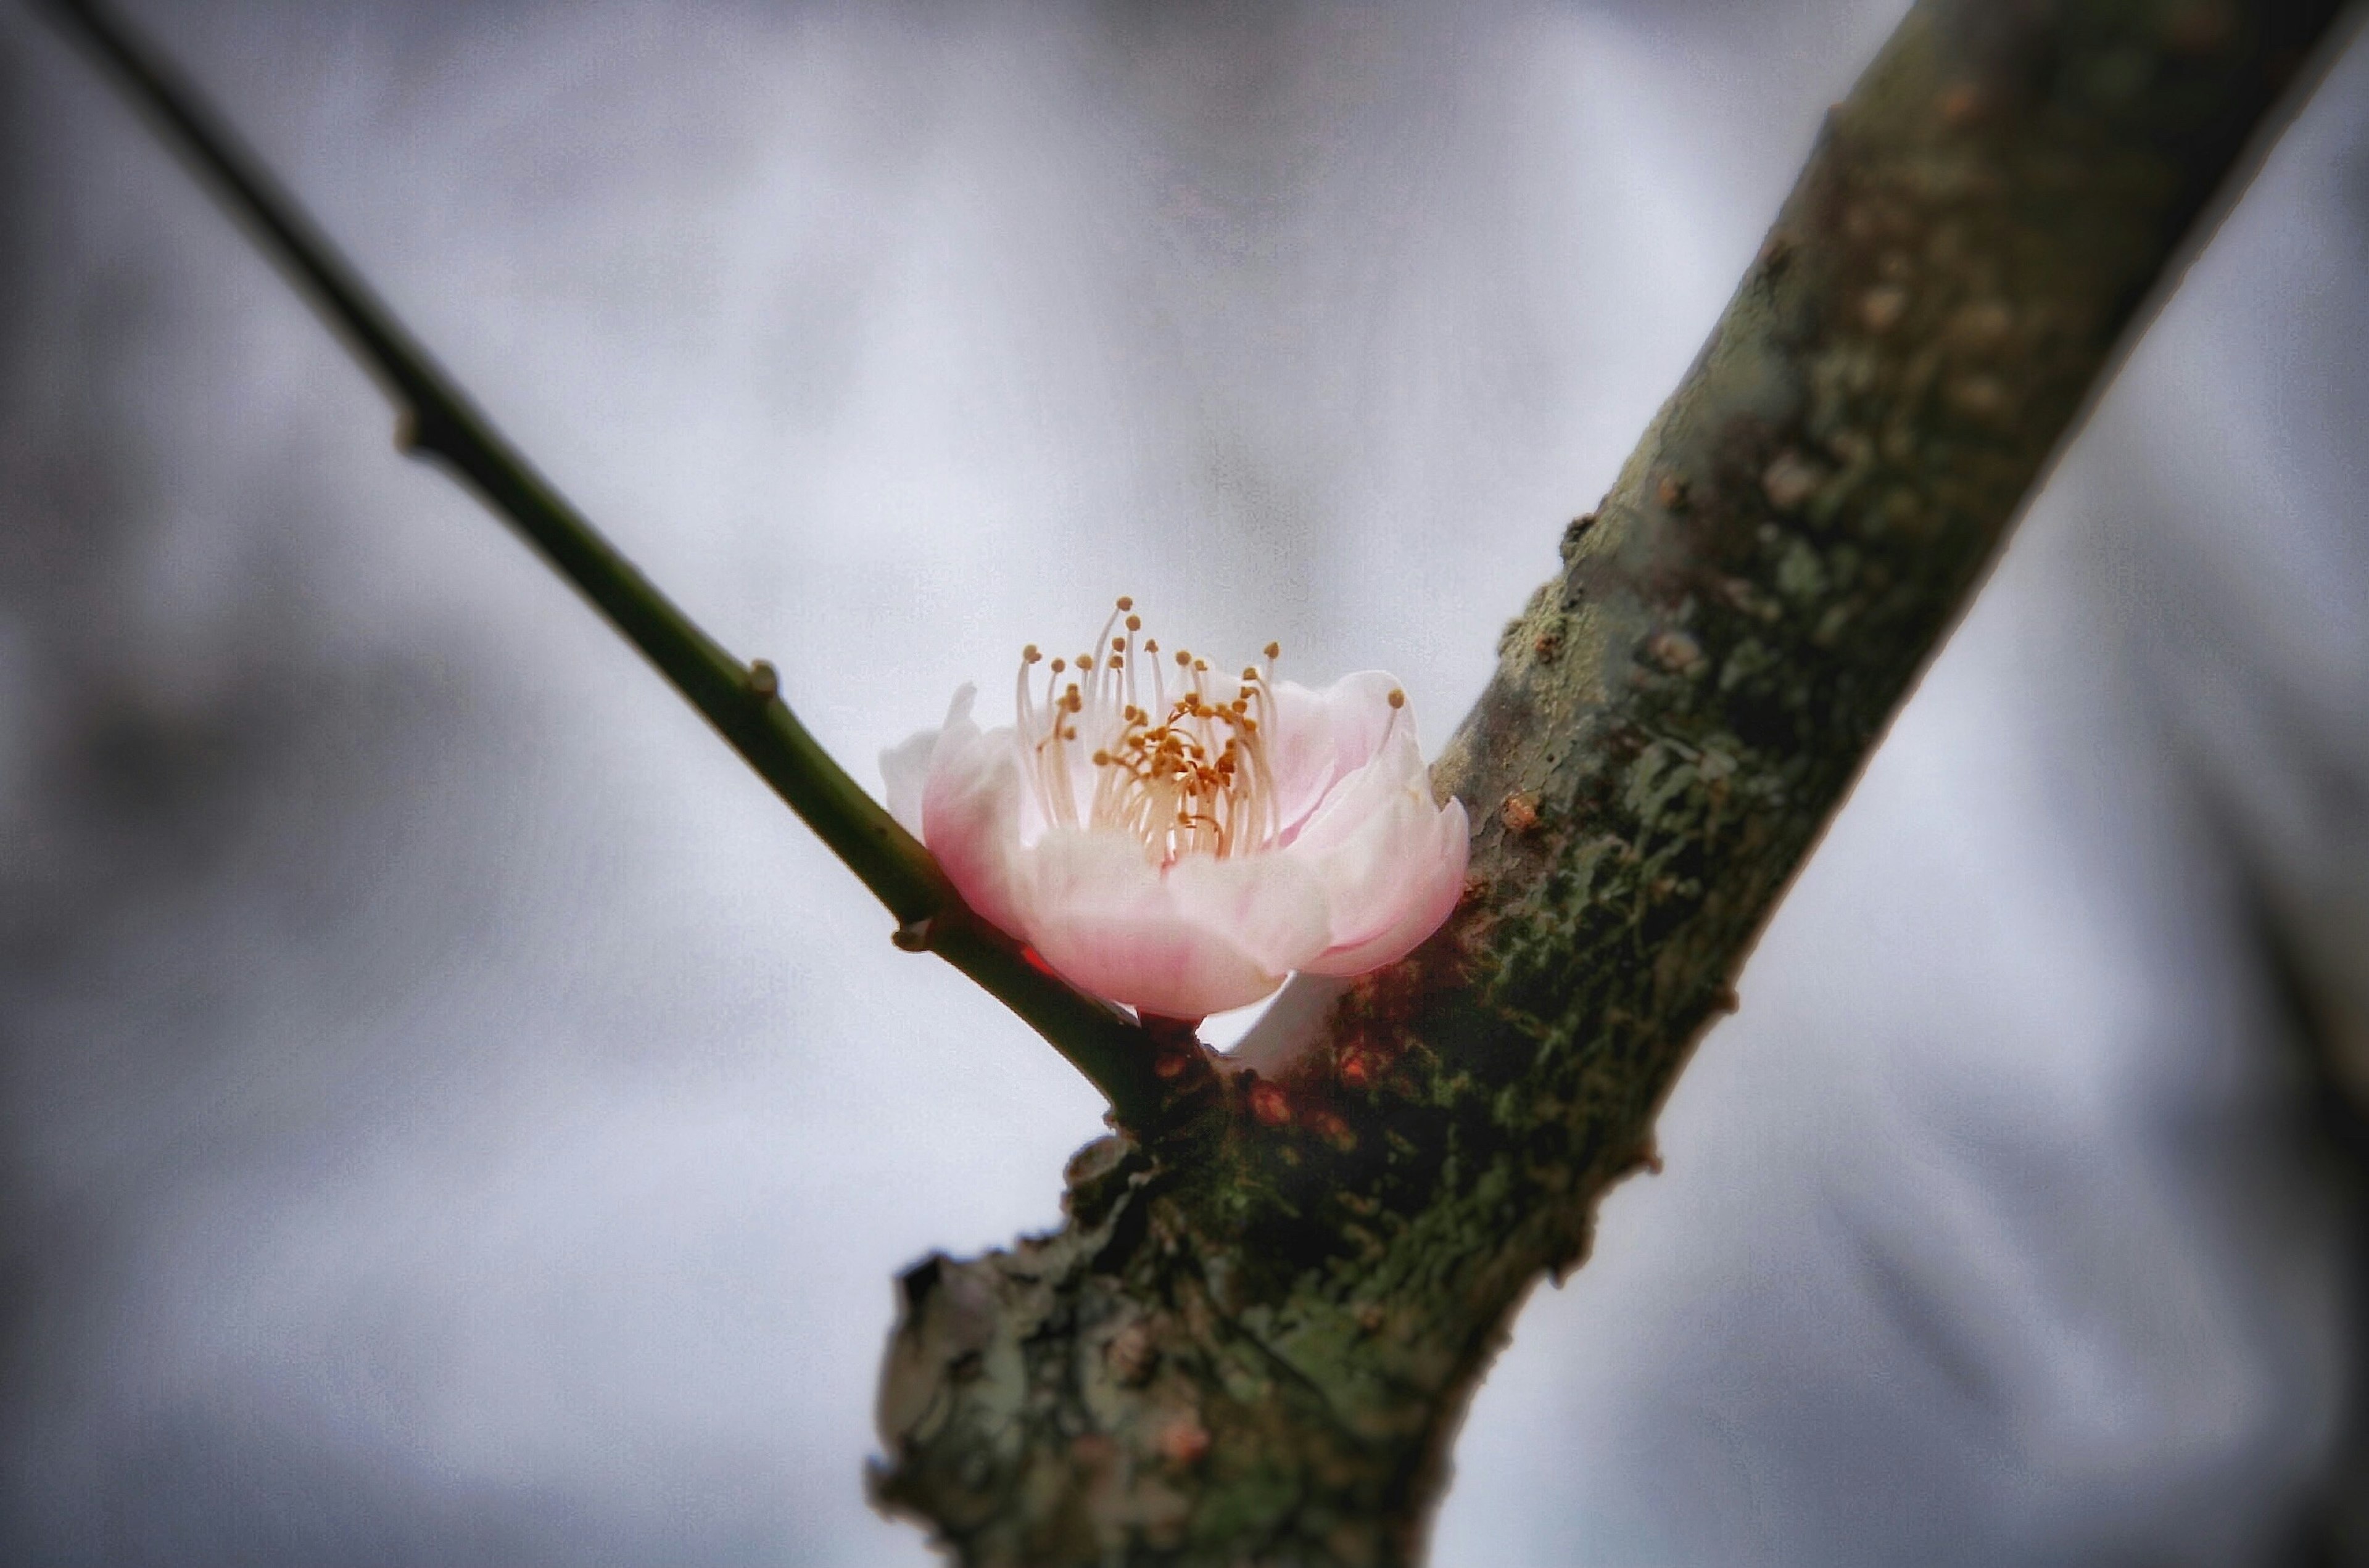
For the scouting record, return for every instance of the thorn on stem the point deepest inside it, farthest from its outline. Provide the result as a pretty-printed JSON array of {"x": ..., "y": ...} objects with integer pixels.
[
  {"x": 764, "y": 681},
  {"x": 914, "y": 936}
]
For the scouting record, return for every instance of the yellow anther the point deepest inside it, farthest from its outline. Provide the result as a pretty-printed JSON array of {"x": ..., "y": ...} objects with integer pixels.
[
  {"x": 1398, "y": 698},
  {"x": 1275, "y": 650},
  {"x": 1202, "y": 761},
  {"x": 1124, "y": 603}
]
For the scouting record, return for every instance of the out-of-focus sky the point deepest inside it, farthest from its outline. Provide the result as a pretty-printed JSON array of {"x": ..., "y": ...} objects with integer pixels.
[{"x": 451, "y": 1115}]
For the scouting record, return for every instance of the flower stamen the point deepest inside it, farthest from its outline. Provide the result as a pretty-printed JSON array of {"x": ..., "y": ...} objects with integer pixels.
[{"x": 1195, "y": 781}]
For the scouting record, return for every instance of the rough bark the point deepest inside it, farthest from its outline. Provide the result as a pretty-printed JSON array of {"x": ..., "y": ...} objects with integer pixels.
[{"x": 1255, "y": 1335}]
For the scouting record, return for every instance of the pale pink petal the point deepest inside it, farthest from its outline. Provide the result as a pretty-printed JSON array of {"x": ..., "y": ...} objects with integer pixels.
[
  {"x": 1398, "y": 895},
  {"x": 1363, "y": 864},
  {"x": 1392, "y": 862},
  {"x": 970, "y": 813},
  {"x": 1318, "y": 738},
  {"x": 1208, "y": 935}
]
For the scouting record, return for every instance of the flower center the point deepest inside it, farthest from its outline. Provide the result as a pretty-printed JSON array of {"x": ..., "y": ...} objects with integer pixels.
[{"x": 1188, "y": 774}]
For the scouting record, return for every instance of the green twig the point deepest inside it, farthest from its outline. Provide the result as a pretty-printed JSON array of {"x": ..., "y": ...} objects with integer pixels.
[{"x": 742, "y": 701}]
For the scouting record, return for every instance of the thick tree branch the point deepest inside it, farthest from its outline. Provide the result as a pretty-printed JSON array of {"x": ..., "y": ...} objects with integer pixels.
[
  {"x": 1254, "y": 1340},
  {"x": 1142, "y": 1079}
]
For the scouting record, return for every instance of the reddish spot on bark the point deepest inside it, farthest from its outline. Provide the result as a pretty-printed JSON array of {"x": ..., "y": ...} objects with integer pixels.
[
  {"x": 1793, "y": 478},
  {"x": 1520, "y": 812},
  {"x": 1675, "y": 651},
  {"x": 1131, "y": 1355},
  {"x": 1880, "y": 308},
  {"x": 2203, "y": 29},
  {"x": 1960, "y": 106},
  {"x": 1268, "y": 1103},
  {"x": 1184, "y": 1440}
]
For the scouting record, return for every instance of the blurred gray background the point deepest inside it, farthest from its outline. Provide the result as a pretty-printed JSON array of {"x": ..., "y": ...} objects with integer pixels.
[{"x": 451, "y": 1115}]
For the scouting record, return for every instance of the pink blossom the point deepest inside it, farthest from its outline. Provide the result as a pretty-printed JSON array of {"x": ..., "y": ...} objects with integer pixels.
[{"x": 1181, "y": 841}]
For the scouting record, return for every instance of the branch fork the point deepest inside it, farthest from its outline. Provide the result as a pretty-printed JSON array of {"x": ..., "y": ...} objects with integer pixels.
[{"x": 1279, "y": 1280}]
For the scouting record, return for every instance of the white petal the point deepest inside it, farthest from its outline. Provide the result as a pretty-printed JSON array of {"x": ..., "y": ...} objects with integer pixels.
[
  {"x": 905, "y": 769},
  {"x": 1206, "y": 936}
]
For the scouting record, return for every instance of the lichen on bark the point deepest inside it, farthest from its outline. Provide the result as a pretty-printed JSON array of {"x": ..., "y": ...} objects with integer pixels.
[{"x": 1254, "y": 1336}]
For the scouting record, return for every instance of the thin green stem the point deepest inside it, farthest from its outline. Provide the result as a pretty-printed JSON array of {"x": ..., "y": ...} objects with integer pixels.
[{"x": 742, "y": 701}]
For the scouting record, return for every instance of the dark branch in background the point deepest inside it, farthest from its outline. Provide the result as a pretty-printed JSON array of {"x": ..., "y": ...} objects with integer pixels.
[
  {"x": 742, "y": 701},
  {"x": 1257, "y": 1349}
]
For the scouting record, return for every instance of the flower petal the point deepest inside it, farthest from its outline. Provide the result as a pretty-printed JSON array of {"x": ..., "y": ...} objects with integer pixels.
[
  {"x": 970, "y": 813},
  {"x": 1318, "y": 738},
  {"x": 1429, "y": 859},
  {"x": 1201, "y": 937},
  {"x": 905, "y": 769},
  {"x": 1392, "y": 862},
  {"x": 1363, "y": 867}
]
